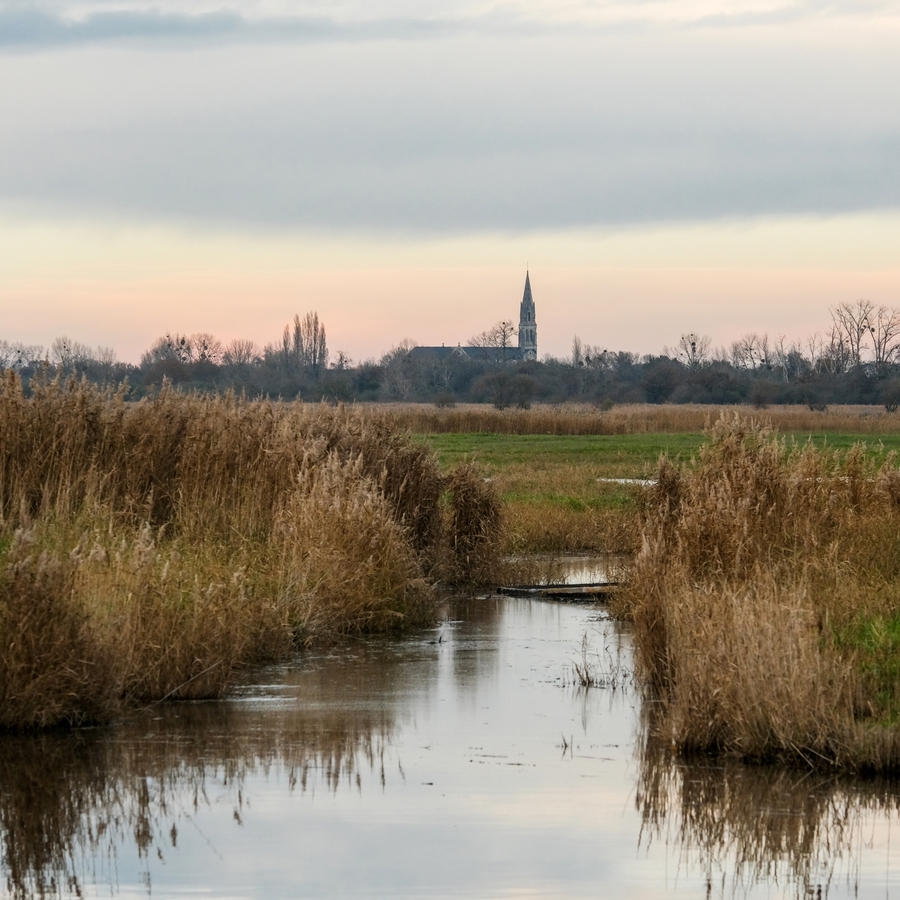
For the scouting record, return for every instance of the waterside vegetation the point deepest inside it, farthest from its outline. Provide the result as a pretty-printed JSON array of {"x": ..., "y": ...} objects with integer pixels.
[
  {"x": 766, "y": 601},
  {"x": 148, "y": 551},
  {"x": 570, "y": 478}
]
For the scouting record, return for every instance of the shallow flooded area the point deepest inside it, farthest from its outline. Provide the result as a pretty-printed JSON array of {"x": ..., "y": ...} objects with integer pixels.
[
  {"x": 570, "y": 569},
  {"x": 465, "y": 761}
]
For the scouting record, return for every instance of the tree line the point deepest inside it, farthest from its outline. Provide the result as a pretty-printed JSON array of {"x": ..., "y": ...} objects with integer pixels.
[{"x": 855, "y": 360}]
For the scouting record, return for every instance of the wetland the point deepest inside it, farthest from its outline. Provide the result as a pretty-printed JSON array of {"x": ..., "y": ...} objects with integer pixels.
[
  {"x": 457, "y": 761},
  {"x": 359, "y": 713}
]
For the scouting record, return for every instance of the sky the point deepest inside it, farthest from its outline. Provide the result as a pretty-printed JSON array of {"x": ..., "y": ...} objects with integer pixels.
[{"x": 660, "y": 167}]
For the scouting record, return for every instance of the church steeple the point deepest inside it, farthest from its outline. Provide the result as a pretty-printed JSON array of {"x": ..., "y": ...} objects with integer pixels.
[{"x": 527, "y": 323}]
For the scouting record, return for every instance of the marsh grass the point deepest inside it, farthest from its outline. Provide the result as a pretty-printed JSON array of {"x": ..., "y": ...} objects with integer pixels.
[
  {"x": 476, "y": 525},
  {"x": 602, "y": 668},
  {"x": 762, "y": 600},
  {"x": 631, "y": 419},
  {"x": 148, "y": 551},
  {"x": 556, "y": 491}
]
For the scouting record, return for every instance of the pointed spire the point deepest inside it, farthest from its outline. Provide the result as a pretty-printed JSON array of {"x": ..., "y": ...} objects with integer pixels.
[
  {"x": 527, "y": 300},
  {"x": 527, "y": 321}
]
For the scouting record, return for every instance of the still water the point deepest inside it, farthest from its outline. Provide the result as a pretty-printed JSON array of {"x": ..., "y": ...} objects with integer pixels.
[{"x": 465, "y": 761}]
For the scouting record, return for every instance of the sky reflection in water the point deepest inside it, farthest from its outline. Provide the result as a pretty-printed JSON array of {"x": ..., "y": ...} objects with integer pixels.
[{"x": 470, "y": 767}]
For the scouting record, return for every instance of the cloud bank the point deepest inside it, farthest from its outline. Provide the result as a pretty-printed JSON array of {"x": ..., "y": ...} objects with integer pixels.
[
  {"x": 486, "y": 116},
  {"x": 64, "y": 22}
]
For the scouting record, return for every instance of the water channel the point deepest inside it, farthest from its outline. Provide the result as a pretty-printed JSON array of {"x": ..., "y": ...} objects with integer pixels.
[{"x": 465, "y": 761}]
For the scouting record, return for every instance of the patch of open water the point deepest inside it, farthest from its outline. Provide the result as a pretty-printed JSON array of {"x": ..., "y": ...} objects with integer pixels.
[{"x": 461, "y": 762}]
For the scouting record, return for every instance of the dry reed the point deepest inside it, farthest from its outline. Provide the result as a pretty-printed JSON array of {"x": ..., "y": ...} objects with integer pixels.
[
  {"x": 635, "y": 418},
  {"x": 149, "y": 550},
  {"x": 760, "y": 565},
  {"x": 476, "y": 526}
]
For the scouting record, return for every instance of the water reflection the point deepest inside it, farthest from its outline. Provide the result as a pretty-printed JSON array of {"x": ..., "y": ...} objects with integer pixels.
[
  {"x": 459, "y": 762},
  {"x": 68, "y": 801},
  {"x": 748, "y": 828},
  {"x": 570, "y": 569}
]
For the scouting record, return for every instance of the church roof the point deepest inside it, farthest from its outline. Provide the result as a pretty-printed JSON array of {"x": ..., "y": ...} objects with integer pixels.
[
  {"x": 527, "y": 340},
  {"x": 506, "y": 354}
]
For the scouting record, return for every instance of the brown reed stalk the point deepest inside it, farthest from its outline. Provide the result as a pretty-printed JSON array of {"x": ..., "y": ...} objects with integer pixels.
[
  {"x": 635, "y": 418},
  {"x": 475, "y": 526},
  {"x": 184, "y": 537},
  {"x": 758, "y": 565},
  {"x": 51, "y": 668}
]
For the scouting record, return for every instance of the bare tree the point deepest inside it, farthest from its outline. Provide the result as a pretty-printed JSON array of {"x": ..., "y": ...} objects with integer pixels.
[
  {"x": 397, "y": 378},
  {"x": 292, "y": 345},
  {"x": 304, "y": 346},
  {"x": 817, "y": 351},
  {"x": 836, "y": 357},
  {"x": 67, "y": 354},
  {"x": 15, "y": 355},
  {"x": 342, "y": 361},
  {"x": 205, "y": 347},
  {"x": 240, "y": 353},
  {"x": 499, "y": 335},
  {"x": 743, "y": 352},
  {"x": 106, "y": 356},
  {"x": 316, "y": 346},
  {"x": 850, "y": 325},
  {"x": 884, "y": 328},
  {"x": 172, "y": 346},
  {"x": 494, "y": 342},
  {"x": 577, "y": 352},
  {"x": 692, "y": 350},
  {"x": 788, "y": 358},
  {"x": 752, "y": 351},
  {"x": 597, "y": 357}
]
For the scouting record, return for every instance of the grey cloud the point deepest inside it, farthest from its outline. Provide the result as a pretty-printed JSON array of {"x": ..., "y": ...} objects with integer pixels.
[
  {"x": 24, "y": 28},
  {"x": 24, "y": 25},
  {"x": 797, "y": 12},
  {"x": 456, "y": 135}
]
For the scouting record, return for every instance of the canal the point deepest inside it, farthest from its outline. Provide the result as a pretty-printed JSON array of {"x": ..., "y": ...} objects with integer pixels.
[{"x": 465, "y": 761}]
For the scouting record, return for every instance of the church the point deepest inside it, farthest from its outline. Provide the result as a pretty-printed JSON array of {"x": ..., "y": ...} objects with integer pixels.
[{"x": 497, "y": 350}]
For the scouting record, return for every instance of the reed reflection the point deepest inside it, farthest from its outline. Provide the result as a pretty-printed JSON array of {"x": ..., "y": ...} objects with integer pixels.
[
  {"x": 70, "y": 801},
  {"x": 746, "y": 826}
]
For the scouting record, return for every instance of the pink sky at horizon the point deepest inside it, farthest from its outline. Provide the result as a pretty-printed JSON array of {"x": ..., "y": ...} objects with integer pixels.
[
  {"x": 123, "y": 286},
  {"x": 665, "y": 168}
]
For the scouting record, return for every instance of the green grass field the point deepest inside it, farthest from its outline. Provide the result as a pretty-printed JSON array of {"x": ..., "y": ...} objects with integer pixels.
[
  {"x": 610, "y": 456},
  {"x": 553, "y": 485},
  {"x": 613, "y": 456}
]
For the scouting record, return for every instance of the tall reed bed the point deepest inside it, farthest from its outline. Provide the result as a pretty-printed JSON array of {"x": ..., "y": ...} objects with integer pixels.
[
  {"x": 149, "y": 550},
  {"x": 766, "y": 601},
  {"x": 635, "y": 418}
]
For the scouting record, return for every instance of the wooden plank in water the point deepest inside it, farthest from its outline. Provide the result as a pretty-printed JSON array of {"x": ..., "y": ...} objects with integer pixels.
[{"x": 562, "y": 591}]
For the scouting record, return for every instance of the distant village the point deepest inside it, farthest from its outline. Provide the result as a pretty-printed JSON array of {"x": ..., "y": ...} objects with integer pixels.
[{"x": 854, "y": 359}]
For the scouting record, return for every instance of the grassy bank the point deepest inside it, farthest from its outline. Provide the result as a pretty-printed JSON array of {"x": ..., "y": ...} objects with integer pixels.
[
  {"x": 559, "y": 490},
  {"x": 149, "y": 550},
  {"x": 766, "y": 601}
]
